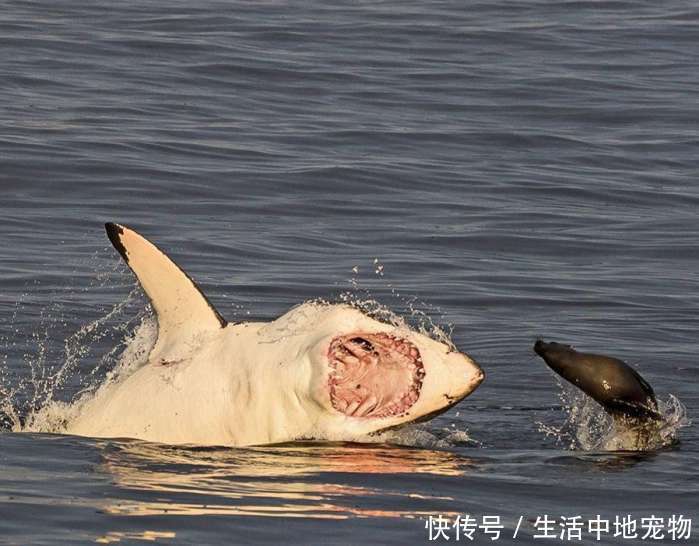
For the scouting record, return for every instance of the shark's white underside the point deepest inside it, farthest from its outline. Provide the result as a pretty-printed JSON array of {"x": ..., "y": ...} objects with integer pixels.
[{"x": 212, "y": 383}]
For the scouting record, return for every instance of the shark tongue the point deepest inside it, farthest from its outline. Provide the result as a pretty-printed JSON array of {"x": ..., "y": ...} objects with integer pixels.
[{"x": 374, "y": 375}]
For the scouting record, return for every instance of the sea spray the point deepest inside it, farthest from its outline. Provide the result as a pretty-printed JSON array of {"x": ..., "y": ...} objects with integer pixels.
[{"x": 588, "y": 427}]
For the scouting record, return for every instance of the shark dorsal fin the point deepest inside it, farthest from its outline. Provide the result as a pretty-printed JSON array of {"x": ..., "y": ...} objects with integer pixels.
[{"x": 183, "y": 311}]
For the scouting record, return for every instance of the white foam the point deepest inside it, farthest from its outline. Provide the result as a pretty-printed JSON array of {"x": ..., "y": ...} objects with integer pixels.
[
  {"x": 54, "y": 415},
  {"x": 589, "y": 428}
]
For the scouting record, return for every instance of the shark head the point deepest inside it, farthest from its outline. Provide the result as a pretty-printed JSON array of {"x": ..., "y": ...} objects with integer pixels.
[{"x": 366, "y": 376}]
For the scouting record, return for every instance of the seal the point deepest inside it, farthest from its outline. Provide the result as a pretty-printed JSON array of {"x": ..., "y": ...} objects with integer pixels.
[
  {"x": 615, "y": 385},
  {"x": 321, "y": 371}
]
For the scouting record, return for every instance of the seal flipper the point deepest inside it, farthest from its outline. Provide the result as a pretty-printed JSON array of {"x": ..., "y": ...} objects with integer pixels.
[
  {"x": 184, "y": 313},
  {"x": 619, "y": 388}
]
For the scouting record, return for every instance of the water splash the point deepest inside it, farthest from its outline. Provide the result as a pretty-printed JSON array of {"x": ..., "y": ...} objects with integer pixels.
[
  {"x": 417, "y": 319},
  {"x": 419, "y": 315},
  {"x": 133, "y": 350},
  {"x": 46, "y": 399},
  {"x": 430, "y": 438},
  {"x": 43, "y": 372},
  {"x": 589, "y": 428},
  {"x": 420, "y": 436}
]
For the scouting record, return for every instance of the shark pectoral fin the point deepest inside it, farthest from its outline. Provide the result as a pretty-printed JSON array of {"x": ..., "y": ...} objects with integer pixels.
[{"x": 184, "y": 313}]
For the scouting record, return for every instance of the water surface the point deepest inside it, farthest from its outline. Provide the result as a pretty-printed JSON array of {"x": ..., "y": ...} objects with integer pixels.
[{"x": 517, "y": 170}]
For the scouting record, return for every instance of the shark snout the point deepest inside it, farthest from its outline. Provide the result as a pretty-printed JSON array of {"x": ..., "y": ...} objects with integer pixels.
[
  {"x": 478, "y": 377},
  {"x": 466, "y": 375}
]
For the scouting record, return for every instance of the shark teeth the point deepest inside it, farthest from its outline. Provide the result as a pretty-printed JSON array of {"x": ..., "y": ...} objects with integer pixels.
[{"x": 374, "y": 375}]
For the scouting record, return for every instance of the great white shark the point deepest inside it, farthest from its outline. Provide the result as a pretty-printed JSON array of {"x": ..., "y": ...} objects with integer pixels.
[{"x": 321, "y": 371}]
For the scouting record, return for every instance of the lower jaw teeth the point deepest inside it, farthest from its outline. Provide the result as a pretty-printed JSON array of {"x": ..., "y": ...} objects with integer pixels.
[{"x": 370, "y": 407}]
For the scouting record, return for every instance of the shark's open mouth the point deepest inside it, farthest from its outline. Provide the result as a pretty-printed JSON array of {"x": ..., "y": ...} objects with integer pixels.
[{"x": 374, "y": 375}]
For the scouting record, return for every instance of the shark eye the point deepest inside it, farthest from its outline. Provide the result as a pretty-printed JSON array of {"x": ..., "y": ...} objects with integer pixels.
[{"x": 363, "y": 343}]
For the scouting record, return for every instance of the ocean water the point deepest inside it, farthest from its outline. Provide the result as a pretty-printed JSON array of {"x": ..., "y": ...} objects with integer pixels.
[{"x": 507, "y": 171}]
